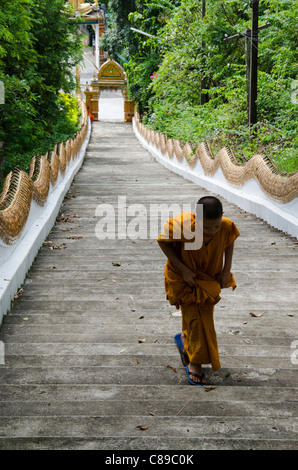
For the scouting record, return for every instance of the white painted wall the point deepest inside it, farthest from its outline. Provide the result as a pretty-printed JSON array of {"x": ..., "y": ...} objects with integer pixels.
[{"x": 16, "y": 260}]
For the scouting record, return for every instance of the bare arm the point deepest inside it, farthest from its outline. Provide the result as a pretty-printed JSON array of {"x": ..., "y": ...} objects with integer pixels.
[
  {"x": 228, "y": 257},
  {"x": 224, "y": 277},
  {"x": 187, "y": 274}
]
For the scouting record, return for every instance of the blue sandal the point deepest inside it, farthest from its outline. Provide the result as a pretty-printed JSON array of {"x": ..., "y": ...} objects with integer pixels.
[
  {"x": 183, "y": 354},
  {"x": 201, "y": 377}
]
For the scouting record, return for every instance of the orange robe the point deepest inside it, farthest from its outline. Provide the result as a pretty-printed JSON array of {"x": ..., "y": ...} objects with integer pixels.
[
  {"x": 91, "y": 115},
  {"x": 197, "y": 304}
]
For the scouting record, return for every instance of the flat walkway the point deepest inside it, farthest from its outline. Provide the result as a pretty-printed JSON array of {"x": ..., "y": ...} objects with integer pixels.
[{"x": 89, "y": 351}]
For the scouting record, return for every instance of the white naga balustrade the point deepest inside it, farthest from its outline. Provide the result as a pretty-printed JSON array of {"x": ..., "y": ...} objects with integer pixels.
[
  {"x": 279, "y": 209},
  {"x": 16, "y": 256}
]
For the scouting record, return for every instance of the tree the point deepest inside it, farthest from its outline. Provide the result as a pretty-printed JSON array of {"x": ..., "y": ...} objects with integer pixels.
[
  {"x": 193, "y": 48},
  {"x": 16, "y": 48},
  {"x": 150, "y": 18},
  {"x": 118, "y": 39},
  {"x": 39, "y": 50},
  {"x": 59, "y": 50},
  {"x": 17, "y": 65}
]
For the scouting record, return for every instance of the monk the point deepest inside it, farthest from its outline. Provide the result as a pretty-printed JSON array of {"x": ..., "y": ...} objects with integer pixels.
[
  {"x": 194, "y": 278},
  {"x": 90, "y": 114}
]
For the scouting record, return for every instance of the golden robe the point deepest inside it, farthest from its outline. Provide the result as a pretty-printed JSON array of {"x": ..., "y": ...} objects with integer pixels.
[{"x": 197, "y": 304}]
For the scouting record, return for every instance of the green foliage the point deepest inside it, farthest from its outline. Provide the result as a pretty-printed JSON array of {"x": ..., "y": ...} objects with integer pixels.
[
  {"x": 118, "y": 37},
  {"x": 151, "y": 17},
  {"x": 35, "y": 136},
  {"x": 59, "y": 49},
  {"x": 139, "y": 76},
  {"x": 196, "y": 61},
  {"x": 15, "y": 38},
  {"x": 39, "y": 50},
  {"x": 188, "y": 59}
]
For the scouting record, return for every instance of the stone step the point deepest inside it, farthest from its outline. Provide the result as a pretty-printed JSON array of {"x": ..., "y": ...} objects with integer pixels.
[
  {"x": 162, "y": 426},
  {"x": 75, "y": 375},
  {"x": 144, "y": 375},
  {"x": 141, "y": 447},
  {"x": 102, "y": 332},
  {"x": 90, "y": 359},
  {"x": 149, "y": 408}
]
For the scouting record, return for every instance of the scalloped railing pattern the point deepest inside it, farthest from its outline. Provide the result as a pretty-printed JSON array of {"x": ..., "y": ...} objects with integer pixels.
[
  {"x": 21, "y": 188},
  {"x": 279, "y": 186}
]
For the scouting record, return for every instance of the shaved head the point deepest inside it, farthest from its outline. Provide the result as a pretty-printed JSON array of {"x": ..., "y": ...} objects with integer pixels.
[{"x": 212, "y": 207}]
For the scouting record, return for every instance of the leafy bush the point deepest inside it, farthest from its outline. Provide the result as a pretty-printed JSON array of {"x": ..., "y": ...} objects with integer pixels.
[
  {"x": 32, "y": 138},
  {"x": 192, "y": 61},
  {"x": 39, "y": 51}
]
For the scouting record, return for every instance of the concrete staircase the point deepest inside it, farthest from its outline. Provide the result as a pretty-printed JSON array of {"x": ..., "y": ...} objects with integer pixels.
[{"x": 90, "y": 361}]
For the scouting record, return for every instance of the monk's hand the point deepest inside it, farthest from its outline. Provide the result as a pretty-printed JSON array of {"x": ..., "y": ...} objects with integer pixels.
[
  {"x": 189, "y": 277},
  {"x": 223, "y": 278}
]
